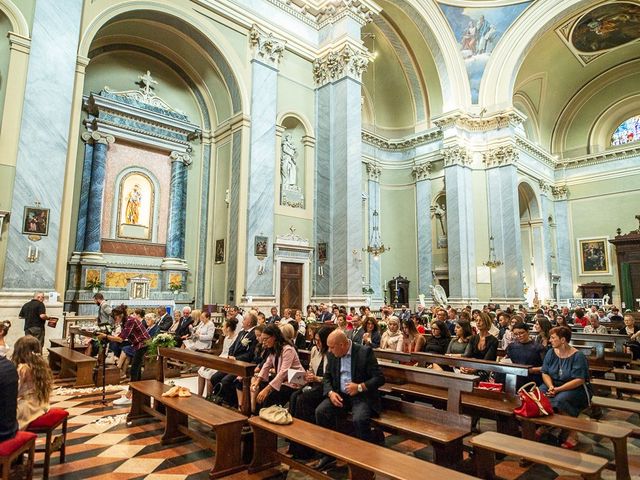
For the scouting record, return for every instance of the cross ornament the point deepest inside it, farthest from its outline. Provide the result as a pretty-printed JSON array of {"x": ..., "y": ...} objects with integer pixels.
[
  {"x": 292, "y": 229},
  {"x": 146, "y": 82}
]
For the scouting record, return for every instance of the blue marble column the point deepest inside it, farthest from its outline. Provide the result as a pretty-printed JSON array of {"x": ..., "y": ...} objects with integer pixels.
[
  {"x": 43, "y": 141},
  {"x": 84, "y": 192},
  {"x": 375, "y": 271},
  {"x": 177, "y": 205},
  {"x": 460, "y": 228},
  {"x": 504, "y": 221},
  {"x": 423, "y": 224},
  {"x": 267, "y": 53},
  {"x": 96, "y": 191},
  {"x": 563, "y": 242}
]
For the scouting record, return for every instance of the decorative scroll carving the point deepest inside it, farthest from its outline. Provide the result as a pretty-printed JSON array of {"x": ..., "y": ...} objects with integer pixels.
[
  {"x": 347, "y": 61},
  {"x": 266, "y": 47},
  {"x": 422, "y": 171},
  {"x": 456, "y": 155},
  {"x": 183, "y": 157},
  {"x": 403, "y": 143},
  {"x": 334, "y": 10},
  {"x": 374, "y": 172},
  {"x": 545, "y": 188},
  {"x": 480, "y": 124},
  {"x": 98, "y": 137},
  {"x": 503, "y": 155},
  {"x": 145, "y": 94}
]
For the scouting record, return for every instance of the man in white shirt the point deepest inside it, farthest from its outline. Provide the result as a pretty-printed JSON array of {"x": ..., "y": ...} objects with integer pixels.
[{"x": 594, "y": 325}]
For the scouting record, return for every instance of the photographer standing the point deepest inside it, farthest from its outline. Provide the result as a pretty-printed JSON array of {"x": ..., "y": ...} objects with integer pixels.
[{"x": 35, "y": 314}]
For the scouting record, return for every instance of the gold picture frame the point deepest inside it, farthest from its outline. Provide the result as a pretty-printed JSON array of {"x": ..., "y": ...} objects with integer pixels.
[{"x": 593, "y": 256}]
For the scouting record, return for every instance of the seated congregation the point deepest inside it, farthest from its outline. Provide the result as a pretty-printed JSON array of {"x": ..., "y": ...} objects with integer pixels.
[{"x": 348, "y": 376}]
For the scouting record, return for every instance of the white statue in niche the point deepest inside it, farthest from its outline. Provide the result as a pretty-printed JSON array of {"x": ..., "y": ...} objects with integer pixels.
[{"x": 288, "y": 167}]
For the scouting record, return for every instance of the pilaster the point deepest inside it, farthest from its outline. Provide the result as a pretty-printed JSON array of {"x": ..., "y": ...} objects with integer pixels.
[
  {"x": 563, "y": 227},
  {"x": 421, "y": 173},
  {"x": 177, "y": 211},
  {"x": 375, "y": 272}
]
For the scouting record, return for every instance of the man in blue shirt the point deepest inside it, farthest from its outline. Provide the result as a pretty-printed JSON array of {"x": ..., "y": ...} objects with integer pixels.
[{"x": 350, "y": 383}]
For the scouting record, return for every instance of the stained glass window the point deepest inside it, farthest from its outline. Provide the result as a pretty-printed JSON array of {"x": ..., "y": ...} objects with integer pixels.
[{"x": 627, "y": 132}]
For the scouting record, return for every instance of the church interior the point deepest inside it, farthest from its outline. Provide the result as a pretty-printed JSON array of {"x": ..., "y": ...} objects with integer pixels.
[{"x": 284, "y": 153}]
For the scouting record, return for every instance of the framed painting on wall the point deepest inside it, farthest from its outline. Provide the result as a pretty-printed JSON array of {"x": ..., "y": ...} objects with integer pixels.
[
  {"x": 594, "y": 256},
  {"x": 260, "y": 246},
  {"x": 219, "y": 258},
  {"x": 36, "y": 221}
]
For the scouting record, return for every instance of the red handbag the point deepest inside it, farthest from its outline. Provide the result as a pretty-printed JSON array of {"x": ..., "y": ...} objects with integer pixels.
[
  {"x": 491, "y": 386},
  {"x": 534, "y": 402}
]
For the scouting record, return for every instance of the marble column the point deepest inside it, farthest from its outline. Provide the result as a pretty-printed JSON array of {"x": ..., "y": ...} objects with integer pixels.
[
  {"x": 96, "y": 191},
  {"x": 177, "y": 206},
  {"x": 375, "y": 270},
  {"x": 563, "y": 242},
  {"x": 546, "y": 211},
  {"x": 504, "y": 222},
  {"x": 423, "y": 224},
  {"x": 267, "y": 53},
  {"x": 85, "y": 185},
  {"x": 43, "y": 137},
  {"x": 460, "y": 228}
]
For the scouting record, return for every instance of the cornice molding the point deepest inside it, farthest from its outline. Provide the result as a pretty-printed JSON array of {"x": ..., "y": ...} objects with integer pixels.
[
  {"x": 471, "y": 123},
  {"x": 405, "y": 143},
  {"x": 266, "y": 47},
  {"x": 628, "y": 151},
  {"x": 334, "y": 10},
  {"x": 342, "y": 61},
  {"x": 535, "y": 151},
  {"x": 19, "y": 42},
  {"x": 500, "y": 156}
]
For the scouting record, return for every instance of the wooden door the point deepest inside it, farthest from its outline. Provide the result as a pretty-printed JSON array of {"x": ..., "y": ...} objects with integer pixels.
[{"x": 291, "y": 286}]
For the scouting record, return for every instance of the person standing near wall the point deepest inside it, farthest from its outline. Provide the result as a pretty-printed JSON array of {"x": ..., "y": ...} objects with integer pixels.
[{"x": 35, "y": 314}]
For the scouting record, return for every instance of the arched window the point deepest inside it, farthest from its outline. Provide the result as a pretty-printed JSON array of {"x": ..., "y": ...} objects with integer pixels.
[{"x": 627, "y": 132}]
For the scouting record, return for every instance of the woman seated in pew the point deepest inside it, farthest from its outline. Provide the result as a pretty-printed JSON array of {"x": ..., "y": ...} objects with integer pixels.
[
  {"x": 34, "y": 380},
  {"x": 542, "y": 327},
  {"x": 304, "y": 401},
  {"x": 482, "y": 346},
  {"x": 4, "y": 331},
  {"x": 440, "y": 338},
  {"x": 459, "y": 346},
  {"x": 565, "y": 375},
  {"x": 282, "y": 357},
  {"x": 561, "y": 321},
  {"x": 202, "y": 334},
  {"x": 411, "y": 341},
  {"x": 525, "y": 351},
  {"x": 633, "y": 332},
  {"x": 204, "y": 373},
  {"x": 371, "y": 334},
  {"x": 392, "y": 335}
]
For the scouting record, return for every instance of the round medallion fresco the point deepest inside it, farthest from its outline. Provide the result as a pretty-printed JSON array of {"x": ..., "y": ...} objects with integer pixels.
[{"x": 607, "y": 26}]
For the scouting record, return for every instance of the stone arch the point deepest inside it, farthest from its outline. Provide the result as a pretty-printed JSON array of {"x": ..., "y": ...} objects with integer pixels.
[
  {"x": 308, "y": 127},
  {"x": 611, "y": 118},
  {"x": 18, "y": 22},
  {"x": 497, "y": 86},
  {"x": 532, "y": 241},
  {"x": 210, "y": 40}
]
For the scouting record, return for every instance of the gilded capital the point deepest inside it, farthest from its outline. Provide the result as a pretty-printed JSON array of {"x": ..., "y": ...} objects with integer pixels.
[
  {"x": 266, "y": 47},
  {"x": 497, "y": 157},
  {"x": 560, "y": 192},
  {"x": 345, "y": 61},
  {"x": 183, "y": 157},
  {"x": 422, "y": 171},
  {"x": 456, "y": 155}
]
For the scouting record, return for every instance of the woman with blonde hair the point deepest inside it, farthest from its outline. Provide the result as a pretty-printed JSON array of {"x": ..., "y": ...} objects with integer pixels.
[
  {"x": 34, "y": 380},
  {"x": 391, "y": 335}
]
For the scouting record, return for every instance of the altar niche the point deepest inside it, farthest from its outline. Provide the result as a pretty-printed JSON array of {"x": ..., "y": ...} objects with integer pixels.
[{"x": 136, "y": 201}]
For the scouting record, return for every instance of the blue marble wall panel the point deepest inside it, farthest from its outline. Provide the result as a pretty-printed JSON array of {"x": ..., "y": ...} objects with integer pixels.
[
  {"x": 262, "y": 175},
  {"x": 504, "y": 220},
  {"x": 323, "y": 198},
  {"x": 234, "y": 210},
  {"x": 460, "y": 233},
  {"x": 425, "y": 242},
  {"x": 204, "y": 223},
  {"x": 43, "y": 143},
  {"x": 84, "y": 196},
  {"x": 563, "y": 227},
  {"x": 96, "y": 197},
  {"x": 375, "y": 271}
]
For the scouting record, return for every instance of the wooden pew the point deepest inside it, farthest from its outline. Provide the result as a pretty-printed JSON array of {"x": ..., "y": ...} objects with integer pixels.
[
  {"x": 234, "y": 367},
  {"x": 61, "y": 342},
  {"x": 444, "y": 429},
  {"x": 364, "y": 460},
  {"x": 627, "y": 387},
  {"x": 72, "y": 364},
  {"x": 487, "y": 444},
  {"x": 609, "y": 340},
  {"x": 226, "y": 423}
]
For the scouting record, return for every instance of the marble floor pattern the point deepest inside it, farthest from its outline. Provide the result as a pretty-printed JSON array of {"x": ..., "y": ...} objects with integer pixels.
[{"x": 101, "y": 449}]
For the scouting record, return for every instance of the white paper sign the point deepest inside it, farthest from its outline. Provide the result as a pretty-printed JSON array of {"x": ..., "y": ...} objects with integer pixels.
[{"x": 296, "y": 376}]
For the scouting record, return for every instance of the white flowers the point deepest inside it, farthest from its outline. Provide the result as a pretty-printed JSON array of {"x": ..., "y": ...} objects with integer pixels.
[{"x": 245, "y": 341}]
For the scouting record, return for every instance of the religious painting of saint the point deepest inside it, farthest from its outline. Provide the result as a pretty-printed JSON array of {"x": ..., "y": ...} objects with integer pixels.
[
  {"x": 134, "y": 198},
  {"x": 260, "y": 249},
  {"x": 607, "y": 26},
  {"x": 594, "y": 256},
  {"x": 36, "y": 221},
  {"x": 219, "y": 256},
  {"x": 135, "y": 206},
  {"x": 322, "y": 252}
]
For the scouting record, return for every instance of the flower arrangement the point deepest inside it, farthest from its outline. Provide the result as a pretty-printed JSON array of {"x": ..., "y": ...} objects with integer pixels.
[
  {"x": 93, "y": 284},
  {"x": 163, "y": 340},
  {"x": 176, "y": 285},
  {"x": 382, "y": 326}
]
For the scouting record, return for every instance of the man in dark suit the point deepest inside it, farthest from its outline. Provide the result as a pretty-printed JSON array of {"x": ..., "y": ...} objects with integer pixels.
[
  {"x": 357, "y": 333},
  {"x": 274, "y": 318},
  {"x": 325, "y": 313},
  {"x": 405, "y": 314},
  {"x": 182, "y": 332},
  {"x": 165, "y": 322},
  {"x": 350, "y": 384}
]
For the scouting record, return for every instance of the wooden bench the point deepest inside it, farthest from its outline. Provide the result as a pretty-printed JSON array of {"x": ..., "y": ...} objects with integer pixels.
[
  {"x": 487, "y": 444},
  {"x": 608, "y": 340},
  {"x": 444, "y": 429},
  {"x": 61, "y": 342},
  {"x": 72, "y": 363},
  {"x": 363, "y": 459},
  {"x": 226, "y": 423},
  {"x": 627, "y": 387},
  {"x": 234, "y": 367},
  {"x": 616, "y": 433}
]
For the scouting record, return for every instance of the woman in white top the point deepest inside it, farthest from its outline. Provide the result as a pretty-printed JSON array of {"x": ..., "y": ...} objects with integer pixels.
[
  {"x": 391, "y": 335},
  {"x": 205, "y": 374},
  {"x": 4, "y": 330},
  {"x": 202, "y": 334}
]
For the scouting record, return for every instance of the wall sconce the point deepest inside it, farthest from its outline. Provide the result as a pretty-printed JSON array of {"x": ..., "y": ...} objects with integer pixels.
[{"x": 33, "y": 254}]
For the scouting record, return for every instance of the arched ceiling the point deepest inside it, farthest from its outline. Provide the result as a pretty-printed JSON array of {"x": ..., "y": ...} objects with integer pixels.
[{"x": 555, "y": 88}]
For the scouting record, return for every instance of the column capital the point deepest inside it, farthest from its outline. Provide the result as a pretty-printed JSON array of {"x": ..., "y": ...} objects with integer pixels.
[
  {"x": 560, "y": 192},
  {"x": 345, "y": 60},
  {"x": 456, "y": 155},
  {"x": 544, "y": 187},
  {"x": 374, "y": 171},
  {"x": 266, "y": 48},
  {"x": 19, "y": 43},
  {"x": 361, "y": 11},
  {"x": 421, "y": 172},
  {"x": 500, "y": 156},
  {"x": 98, "y": 137},
  {"x": 81, "y": 64},
  {"x": 184, "y": 157}
]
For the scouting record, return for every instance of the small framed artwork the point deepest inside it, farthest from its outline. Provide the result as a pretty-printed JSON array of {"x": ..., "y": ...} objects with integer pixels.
[
  {"x": 594, "y": 256},
  {"x": 219, "y": 251},
  {"x": 322, "y": 252},
  {"x": 36, "y": 221},
  {"x": 261, "y": 244}
]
